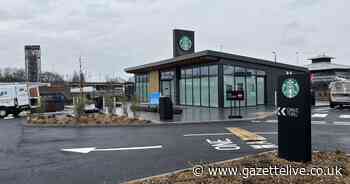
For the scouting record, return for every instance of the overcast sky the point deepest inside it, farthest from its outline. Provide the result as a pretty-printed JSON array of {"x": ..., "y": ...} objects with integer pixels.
[{"x": 113, "y": 34}]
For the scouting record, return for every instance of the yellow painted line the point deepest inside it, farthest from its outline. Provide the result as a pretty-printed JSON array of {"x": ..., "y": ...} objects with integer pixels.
[{"x": 246, "y": 135}]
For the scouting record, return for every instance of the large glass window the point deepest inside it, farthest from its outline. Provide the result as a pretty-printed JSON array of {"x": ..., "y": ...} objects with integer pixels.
[
  {"x": 183, "y": 91},
  {"x": 204, "y": 86},
  {"x": 213, "y": 86},
  {"x": 240, "y": 85},
  {"x": 261, "y": 90},
  {"x": 251, "y": 81},
  {"x": 205, "y": 91},
  {"x": 199, "y": 86},
  {"x": 141, "y": 82},
  {"x": 196, "y": 91},
  {"x": 239, "y": 75},
  {"x": 251, "y": 90},
  {"x": 189, "y": 91},
  {"x": 228, "y": 80}
]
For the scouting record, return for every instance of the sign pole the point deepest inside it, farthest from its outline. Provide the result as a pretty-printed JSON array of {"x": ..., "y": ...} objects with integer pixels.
[{"x": 239, "y": 109}]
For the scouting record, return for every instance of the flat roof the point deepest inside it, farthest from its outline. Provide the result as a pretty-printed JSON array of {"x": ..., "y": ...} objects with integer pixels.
[
  {"x": 212, "y": 55},
  {"x": 321, "y": 57},
  {"x": 326, "y": 66}
]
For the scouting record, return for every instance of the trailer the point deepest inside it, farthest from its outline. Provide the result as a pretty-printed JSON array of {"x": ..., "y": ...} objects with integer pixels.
[{"x": 14, "y": 98}]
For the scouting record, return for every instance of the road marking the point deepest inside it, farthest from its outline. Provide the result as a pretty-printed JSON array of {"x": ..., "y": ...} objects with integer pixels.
[
  {"x": 90, "y": 149},
  {"x": 266, "y": 133},
  {"x": 265, "y": 146},
  {"x": 272, "y": 121},
  {"x": 318, "y": 122},
  {"x": 319, "y": 115},
  {"x": 206, "y": 134},
  {"x": 322, "y": 109},
  {"x": 246, "y": 135},
  {"x": 256, "y": 121},
  {"x": 341, "y": 123},
  {"x": 223, "y": 145},
  {"x": 261, "y": 145},
  {"x": 345, "y": 116}
]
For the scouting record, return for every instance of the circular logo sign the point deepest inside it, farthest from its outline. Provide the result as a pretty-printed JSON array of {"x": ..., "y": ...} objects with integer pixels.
[
  {"x": 290, "y": 88},
  {"x": 185, "y": 43}
]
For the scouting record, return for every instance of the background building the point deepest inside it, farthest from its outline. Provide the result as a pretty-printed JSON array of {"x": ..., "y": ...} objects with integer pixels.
[
  {"x": 323, "y": 72},
  {"x": 32, "y": 63},
  {"x": 201, "y": 78}
]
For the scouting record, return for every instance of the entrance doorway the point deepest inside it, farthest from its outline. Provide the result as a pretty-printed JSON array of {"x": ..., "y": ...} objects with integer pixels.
[{"x": 167, "y": 89}]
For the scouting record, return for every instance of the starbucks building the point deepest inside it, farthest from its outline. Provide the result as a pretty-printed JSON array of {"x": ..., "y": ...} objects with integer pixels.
[{"x": 200, "y": 79}]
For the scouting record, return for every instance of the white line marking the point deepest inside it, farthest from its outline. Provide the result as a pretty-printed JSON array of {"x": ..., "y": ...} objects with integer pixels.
[
  {"x": 90, "y": 149},
  {"x": 265, "y": 133},
  {"x": 272, "y": 121},
  {"x": 344, "y": 116},
  {"x": 206, "y": 134},
  {"x": 319, "y": 115},
  {"x": 322, "y": 109},
  {"x": 256, "y": 121},
  {"x": 341, "y": 123},
  {"x": 266, "y": 146},
  {"x": 318, "y": 122}
]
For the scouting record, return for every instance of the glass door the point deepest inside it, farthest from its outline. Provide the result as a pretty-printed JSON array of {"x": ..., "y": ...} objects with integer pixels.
[{"x": 167, "y": 89}]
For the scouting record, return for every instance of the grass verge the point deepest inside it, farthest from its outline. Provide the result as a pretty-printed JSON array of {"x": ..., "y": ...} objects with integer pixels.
[{"x": 322, "y": 161}]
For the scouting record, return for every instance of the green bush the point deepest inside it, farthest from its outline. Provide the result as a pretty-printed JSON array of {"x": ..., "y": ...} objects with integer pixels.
[
  {"x": 109, "y": 100},
  {"x": 41, "y": 107},
  {"x": 79, "y": 106},
  {"x": 124, "y": 101},
  {"x": 134, "y": 105}
]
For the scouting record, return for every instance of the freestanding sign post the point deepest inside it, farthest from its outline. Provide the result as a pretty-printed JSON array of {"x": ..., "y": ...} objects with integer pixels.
[
  {"x": 238, "y": 95},
  {"x": 294, "y": 117},
  {"x": 234, "y": 95}
]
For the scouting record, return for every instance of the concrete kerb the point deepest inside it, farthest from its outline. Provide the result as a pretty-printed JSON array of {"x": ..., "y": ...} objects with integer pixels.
[
  {"x": 190, "y": 168},
  {"x": 151, "y": 123}
]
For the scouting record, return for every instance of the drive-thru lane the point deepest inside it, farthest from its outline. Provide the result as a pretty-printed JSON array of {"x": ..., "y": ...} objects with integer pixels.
[{"x": 33, "y": 155}]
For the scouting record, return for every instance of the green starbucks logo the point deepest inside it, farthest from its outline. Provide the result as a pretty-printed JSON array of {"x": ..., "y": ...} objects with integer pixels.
[
  {"x": 290, "y": 88},
  {"x": 185, "y": 43}
]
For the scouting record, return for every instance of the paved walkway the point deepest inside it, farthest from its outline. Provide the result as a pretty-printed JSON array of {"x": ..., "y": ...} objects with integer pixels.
[{"x": 202, "y": 114}]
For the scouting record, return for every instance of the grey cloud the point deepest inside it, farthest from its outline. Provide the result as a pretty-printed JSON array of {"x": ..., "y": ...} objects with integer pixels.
[{"x": 114, "y": 34}]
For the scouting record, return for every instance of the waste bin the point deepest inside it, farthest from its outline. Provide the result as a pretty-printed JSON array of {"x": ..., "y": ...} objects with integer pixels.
[{"x": 165, "y": 108}]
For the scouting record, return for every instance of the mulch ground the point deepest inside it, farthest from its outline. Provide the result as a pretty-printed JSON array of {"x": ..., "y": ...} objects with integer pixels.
[{"x": 319, "y": 160}]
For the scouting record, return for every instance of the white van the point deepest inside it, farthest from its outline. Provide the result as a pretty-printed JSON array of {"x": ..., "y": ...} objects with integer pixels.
[
  {"x": 339, "y": 93},
  {"x": 14, "y": 99}
]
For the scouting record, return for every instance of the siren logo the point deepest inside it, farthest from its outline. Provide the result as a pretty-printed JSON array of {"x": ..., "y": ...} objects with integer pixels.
[
  {"x": 185, "y": 43},
  {"x": 290, "y": 88}
]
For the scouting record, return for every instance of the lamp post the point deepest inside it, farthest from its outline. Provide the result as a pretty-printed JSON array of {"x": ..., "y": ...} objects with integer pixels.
[
  {"x": 275, "y": 86},
  {"x": 275, "y": 56}
]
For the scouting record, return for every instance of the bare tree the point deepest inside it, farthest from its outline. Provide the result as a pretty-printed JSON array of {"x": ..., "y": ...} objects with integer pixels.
[{"x": 50, "y": 77}]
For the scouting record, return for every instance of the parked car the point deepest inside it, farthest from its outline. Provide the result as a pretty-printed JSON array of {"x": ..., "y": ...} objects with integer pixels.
[
  {"x": 339, "y": 93},
  {"x": 14, "y": 99}
]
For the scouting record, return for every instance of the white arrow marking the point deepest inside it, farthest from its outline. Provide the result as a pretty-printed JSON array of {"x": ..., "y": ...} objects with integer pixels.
[{"x": 90, "y": 149}]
